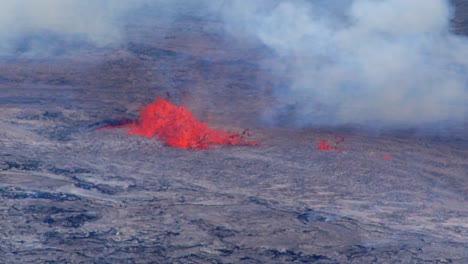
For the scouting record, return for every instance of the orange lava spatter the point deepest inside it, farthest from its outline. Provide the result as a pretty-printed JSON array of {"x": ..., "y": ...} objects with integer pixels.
[
  {"x": 323, "y": 145},
  {"x": 178, "y": 128},
  {"x": 387, "y": 157}
]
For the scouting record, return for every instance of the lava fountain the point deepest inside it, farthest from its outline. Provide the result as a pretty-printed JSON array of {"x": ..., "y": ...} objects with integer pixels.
[{"x": 177, "y": 127}]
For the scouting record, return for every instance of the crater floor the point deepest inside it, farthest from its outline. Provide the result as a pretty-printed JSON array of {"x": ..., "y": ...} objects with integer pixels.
[{"x": 71, "y": 193}]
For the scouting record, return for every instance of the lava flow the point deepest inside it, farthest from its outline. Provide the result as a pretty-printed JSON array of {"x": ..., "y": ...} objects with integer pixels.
[{"x": 178, "y": 128}]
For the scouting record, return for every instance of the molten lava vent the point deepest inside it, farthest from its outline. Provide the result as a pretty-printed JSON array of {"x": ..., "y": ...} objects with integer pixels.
[
  {"x": 324, "y": 146},
  {"x": 178, "y": 128}
]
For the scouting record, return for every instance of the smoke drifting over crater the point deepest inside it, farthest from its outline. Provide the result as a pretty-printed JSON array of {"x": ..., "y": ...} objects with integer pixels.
[
  {"x": 392, "y": 62},
  {"x": 45, "y": 27},
  {"x": 361, "y": 62}
]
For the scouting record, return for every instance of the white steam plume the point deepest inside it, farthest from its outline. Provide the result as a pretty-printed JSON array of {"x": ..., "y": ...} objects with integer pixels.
[
  {"x": 386, "y": 62},
  {"x": 96, "y": 22},
  {"x": 37, "y": 27}
]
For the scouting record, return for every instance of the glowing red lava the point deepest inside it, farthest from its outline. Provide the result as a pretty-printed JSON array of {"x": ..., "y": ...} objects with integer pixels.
[
  {"x": 178, "y": 128},
  {"x": 387, "y": 157},
  {"x": 323, "y": 145}
]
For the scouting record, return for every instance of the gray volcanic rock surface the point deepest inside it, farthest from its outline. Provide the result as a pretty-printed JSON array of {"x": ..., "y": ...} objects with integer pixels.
[
  {"x": 460, "y": 20},
  {"x": 70, "y": 193}
]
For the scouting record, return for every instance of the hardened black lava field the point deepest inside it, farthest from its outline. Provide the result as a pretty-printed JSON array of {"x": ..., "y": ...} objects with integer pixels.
[{"x": 71, "y": 193}]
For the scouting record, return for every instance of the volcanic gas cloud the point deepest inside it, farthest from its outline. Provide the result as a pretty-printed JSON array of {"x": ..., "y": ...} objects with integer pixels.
[{"x": 178, "y": 128}]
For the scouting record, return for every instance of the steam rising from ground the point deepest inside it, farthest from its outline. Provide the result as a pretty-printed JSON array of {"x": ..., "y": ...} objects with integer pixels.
[
  {"x": 385, "y": 62},
  {"x": 37, "y": 27}
]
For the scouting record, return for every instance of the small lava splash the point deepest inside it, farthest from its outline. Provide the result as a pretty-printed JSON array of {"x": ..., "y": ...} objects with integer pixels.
[
  {"x": 324, "y": 146},
  {"x": 383, "y": 156},
  {"x": 178, "y": 128}
]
